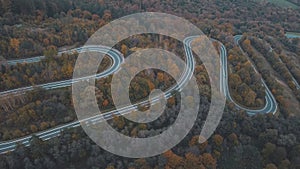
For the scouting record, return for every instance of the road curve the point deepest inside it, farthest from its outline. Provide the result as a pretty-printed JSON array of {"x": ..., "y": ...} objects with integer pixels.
[
  {"x": 115, "y": 56},
  {"x": 117, "y": 60},
  {"x": 54, "y": 132},
  {"x": 271, "y": 104},
  {"x": 238, "y": 37}
]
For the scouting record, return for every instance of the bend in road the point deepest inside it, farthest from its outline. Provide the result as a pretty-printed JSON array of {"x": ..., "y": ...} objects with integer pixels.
[
  {"x": 115, "y": 56},
  {"x": 271, "y": 104},
  {"x": 117, "y": 59},
  {"x": 48, "y": 134}
]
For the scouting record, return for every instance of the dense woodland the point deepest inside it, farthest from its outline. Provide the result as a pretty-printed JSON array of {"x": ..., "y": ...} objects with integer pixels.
[
  {"x": 51, "y": 69},
  {"x": 271, "y": 80},
  {"x": 245, "y": 84},
  {"x": 256, "y": 142},
  {"x": 39, "y": 27}
]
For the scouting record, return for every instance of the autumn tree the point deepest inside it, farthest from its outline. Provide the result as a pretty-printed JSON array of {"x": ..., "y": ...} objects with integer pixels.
[
  {"x": 124, "y": 49},
  {"x": 51, "y": 51},
  {"x": 209, "y": 161},
  {"x": 15, "y": 44},
  {"x": 192, "y": 161},
  {"x": 218, "y": 139},
  {"x": 174, "y": 160}
]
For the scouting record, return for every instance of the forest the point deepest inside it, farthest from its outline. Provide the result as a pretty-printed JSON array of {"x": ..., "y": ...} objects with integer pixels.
[
  {"x": 39, "y": 27},
  {"x": 237, "y": 143}
]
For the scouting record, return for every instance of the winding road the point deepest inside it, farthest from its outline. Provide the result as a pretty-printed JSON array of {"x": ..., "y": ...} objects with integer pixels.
[
  {"x": 115, "y": 56},
  {"x": 288, "y": 35},
  {"x": 117, "y": 60},
  {"x": 271, "y": 104}
]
